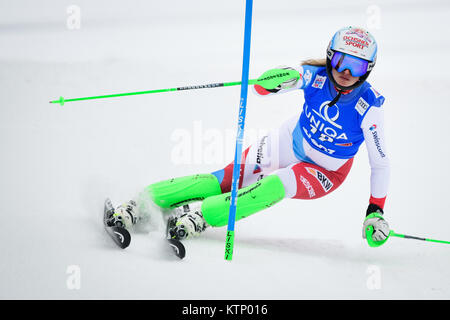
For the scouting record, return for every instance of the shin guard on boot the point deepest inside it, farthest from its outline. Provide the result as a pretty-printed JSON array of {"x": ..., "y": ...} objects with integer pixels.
[
  {"x": 178, "y": 191},
  {"x": 253, "y": 198}
]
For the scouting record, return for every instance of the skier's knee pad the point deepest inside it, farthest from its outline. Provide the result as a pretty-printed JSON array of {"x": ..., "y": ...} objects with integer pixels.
[
  {"x": 178, "y": 191},
  {"x": 253, "y": 198}
]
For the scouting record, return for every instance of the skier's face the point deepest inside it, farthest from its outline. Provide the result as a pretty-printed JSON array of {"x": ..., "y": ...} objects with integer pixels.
[{"x": 344, "y": 78}]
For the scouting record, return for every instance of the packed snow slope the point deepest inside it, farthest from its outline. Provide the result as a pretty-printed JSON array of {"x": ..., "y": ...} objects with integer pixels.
[{"x": 59, "y": 163}]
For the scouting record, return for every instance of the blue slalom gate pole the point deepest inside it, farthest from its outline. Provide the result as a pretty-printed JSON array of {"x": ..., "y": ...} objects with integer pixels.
[{"x": 240, "y": 132}]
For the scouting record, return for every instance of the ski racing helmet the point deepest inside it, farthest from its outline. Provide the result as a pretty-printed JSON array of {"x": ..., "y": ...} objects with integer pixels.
[{"x": 351, "y": 48}]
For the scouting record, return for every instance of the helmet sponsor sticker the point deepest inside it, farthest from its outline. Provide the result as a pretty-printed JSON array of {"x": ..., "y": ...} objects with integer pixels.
[
  {"x": 355, "y": 42},
  {"x": 325, "y": 182},
  {"x": 360, "y": 33},
  {"x": 361, "y": 106}
]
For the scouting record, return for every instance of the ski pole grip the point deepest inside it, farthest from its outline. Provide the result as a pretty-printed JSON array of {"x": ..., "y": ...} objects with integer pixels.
[
  {"x": 271, "y": 79},
  {"x": 372, "y": 243}
]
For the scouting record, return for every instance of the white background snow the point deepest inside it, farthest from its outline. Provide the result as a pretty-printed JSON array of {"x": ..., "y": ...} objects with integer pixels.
[{"x": 57, "y": 164}]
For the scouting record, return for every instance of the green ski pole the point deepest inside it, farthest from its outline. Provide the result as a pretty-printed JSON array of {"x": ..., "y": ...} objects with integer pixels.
[
  {"x": 269, "y": 80},
  {"x": 373, "y": 243},
  {"x": 62, "y": 100},
  {"x": 399, "y": 235}
]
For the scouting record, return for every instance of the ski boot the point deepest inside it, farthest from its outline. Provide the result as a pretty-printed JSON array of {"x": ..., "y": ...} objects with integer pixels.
[
  {"x": 186, "y": 222},
  {"x": 124, "y": 216}
]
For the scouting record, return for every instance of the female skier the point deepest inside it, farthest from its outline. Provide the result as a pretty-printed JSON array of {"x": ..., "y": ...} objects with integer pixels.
[{"x": 308, "y": 157}]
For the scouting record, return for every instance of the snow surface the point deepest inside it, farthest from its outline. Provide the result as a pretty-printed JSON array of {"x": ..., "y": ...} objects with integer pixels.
[{"x": 59, "y": 163}]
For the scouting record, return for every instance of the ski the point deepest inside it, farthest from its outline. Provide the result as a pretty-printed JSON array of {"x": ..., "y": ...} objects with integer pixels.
[
  {"x": 120, "y": 235},
  {"x": 176, "y": 244},
  {"x": 177, "y": 247}
]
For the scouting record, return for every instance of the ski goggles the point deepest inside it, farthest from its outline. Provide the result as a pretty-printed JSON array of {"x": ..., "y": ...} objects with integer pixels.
[{"x": 342, "y": 61}]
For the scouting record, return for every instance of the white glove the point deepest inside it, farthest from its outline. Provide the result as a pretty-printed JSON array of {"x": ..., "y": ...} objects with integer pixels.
[
  {"x": 380, "y": 226},
  {"x": 288, "y": 84},
  {"x": 276, "y": 83}
]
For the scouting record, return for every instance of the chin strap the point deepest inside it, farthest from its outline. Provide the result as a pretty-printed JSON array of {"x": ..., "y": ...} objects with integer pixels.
[
  {"x": 340, "y": 93},
  {"x": 335, "y": 99}
]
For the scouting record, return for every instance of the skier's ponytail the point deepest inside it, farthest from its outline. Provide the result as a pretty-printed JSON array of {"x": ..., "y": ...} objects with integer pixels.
[{"x": 315, "y": 62}]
